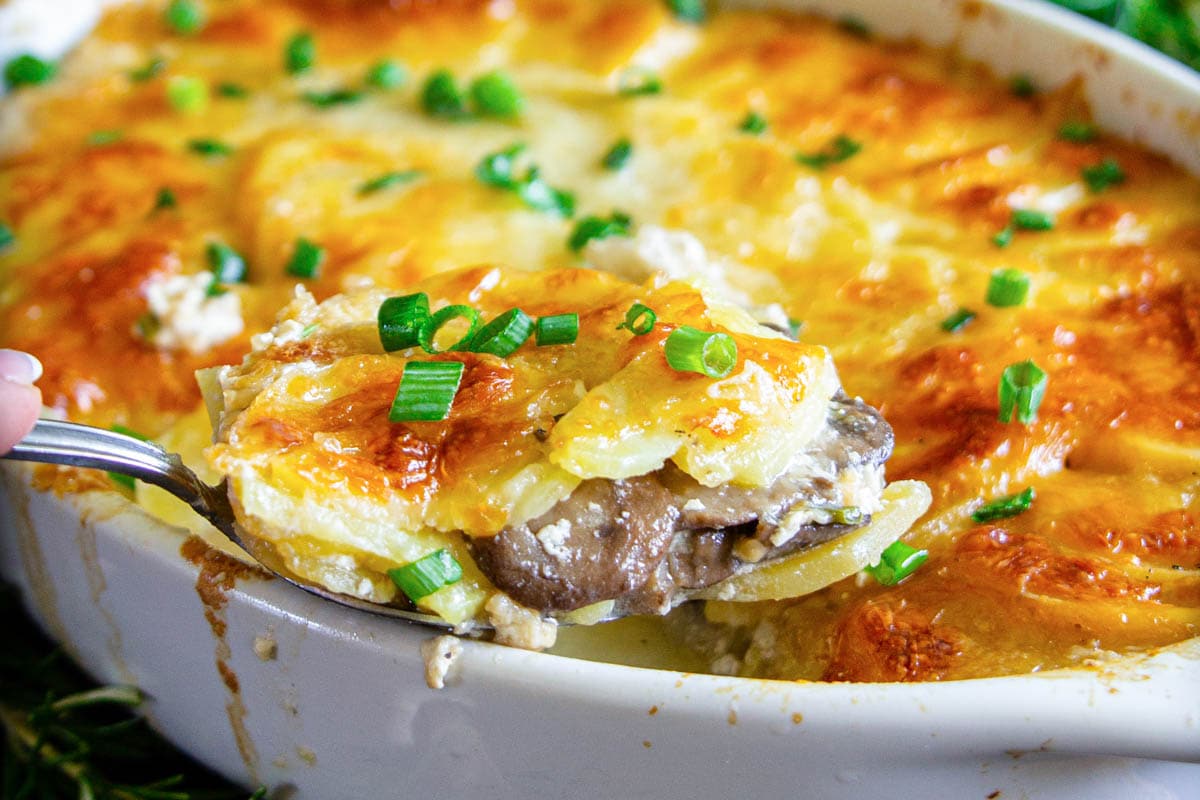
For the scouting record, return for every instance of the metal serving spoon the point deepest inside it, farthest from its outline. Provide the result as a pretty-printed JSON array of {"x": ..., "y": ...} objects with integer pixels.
[{"x": 76, "y": 445}]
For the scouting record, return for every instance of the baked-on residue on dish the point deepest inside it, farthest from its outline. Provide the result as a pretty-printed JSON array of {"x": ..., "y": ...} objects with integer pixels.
[{"x": 869, "y": 189}]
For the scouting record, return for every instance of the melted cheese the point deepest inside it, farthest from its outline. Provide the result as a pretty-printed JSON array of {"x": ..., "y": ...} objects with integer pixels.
[{"x": 871, "y": 254}]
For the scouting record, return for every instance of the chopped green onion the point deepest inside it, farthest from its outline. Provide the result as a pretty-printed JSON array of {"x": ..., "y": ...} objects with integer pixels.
[
  {"x": 233, "y": 91},
  {"x": 148, "y": 324},
  {"x": 306, "y": 259},
  {"x": 98, "y": 138},
  {"x": 1022, "y": 387},
  {"x": 426, "y": 575},
  {"x": 541, "y": 196},
  {"x": 840, "y": 149},
  {"x": 387, "y": 74},
  {"x": 495, "y": 95},
  {"x": 1027, "y": 219},
  {"x": 28, "y": 70},
  {"x": 165, "y": 199},
  {"x": 590, "y": 228},
  {"x": 617, "y": 155},
  {"x": 332, "y": 97},
  {"x": 426, "y": 391},
  {"x": 1103, "y": 175},
  {"x": 896, "y": 563},
  {"x": 209, "y": 147},
  {"x": 639, "y": 320},
  {"x": 7, "y": 237},
  {"x": 754, "y": 124},
  {"x": 794, "y": 327},
  {"x": 637, "y": 81},
  {"x": 1004, "y": 237},
  {"x": 1005, "y": 507},
  {"x": 1022, "y": 86},
  {"x": 185, "y": 17},
  {"x": 958, "y": 320},
  {"x": 151, "y": 70},
  {"x": 499, "y": 168},
  {"x": 846, "y": 515},
  {"x": 855, "y": 26},
  {"x": 1007, "y": 287},
  {"x": 690, "y": 350},
  {"x": 557, "y": 329},
  {"x": 688, "y": 10},
  {"x": 388, "y": 180},
  {"x": 186, "y": 94},
  {"x": 1077, "y": 132},
  {"x": 227, "y": 264},
  {"x": 442, "y": 97},
  {"x": 435, "y": 322},
  {"x": 309, "y": 330},
  {"x": 126, "y": 481},
  {"x": 400, "y": 321},
  {"x": 503, "y": 335},
  {"x": 300, "y": 53}
]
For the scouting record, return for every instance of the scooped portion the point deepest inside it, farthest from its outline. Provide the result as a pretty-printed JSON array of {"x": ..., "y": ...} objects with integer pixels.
[{"x": 618, "y": 472}]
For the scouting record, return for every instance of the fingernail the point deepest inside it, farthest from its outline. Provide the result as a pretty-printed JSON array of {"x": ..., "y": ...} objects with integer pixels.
[{"x": 19, "y": 367}]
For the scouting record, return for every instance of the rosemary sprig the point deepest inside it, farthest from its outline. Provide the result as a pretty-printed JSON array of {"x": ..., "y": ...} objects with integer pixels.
[{"x": 66, "y": 738}]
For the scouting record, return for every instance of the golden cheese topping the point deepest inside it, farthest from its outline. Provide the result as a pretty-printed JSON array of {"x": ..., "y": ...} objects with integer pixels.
[{"x": 911, "y": 164}]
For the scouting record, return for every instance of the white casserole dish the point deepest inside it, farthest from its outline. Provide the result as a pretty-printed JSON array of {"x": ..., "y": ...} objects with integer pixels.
[{"x": 342, "y": 710}]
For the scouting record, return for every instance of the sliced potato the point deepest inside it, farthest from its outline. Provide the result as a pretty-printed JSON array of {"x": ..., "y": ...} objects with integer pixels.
[{"x": 809, "y": 570}]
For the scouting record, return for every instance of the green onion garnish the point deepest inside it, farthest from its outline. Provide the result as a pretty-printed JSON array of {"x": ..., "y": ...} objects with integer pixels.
[
  {"x": 639, "y": 320},
  {"x": 388, "y": 180},
  {"x": 958, "y": 320},
  {"x": 233, "y": 91},
  {"x": 1022, "y": 387},
  {"x": 165, "y": 199},
  {"x": 1022, "y": 86},
  {"x": 495, "y": 95},
  {"x": 387, "y": 74},
  {"x": 855, "y": 26},
  {"x": 442, "y": 97},
  {"x": 690, "y": 350},
  {"x": 426, "y": 391},
  {"x": 151, "y": 70},
  {"x": 637, "y": 81},
  {"x": 794, "y": 327},
  {"x": 300, "y": 53},
  {"x": 209, "y": 147},
  {"x": 227, "y": 264},
  {"x": 426, "y": 575},
  {"x": 499, "y": 168},
  {"x": 400, "y": 320},
  {"x": 557, "y": 329},
  {"x": 184, "y": 16},
  {"x": 28, "y": 70},
  {"x": 1007, "y": 287},
  {"x": 896, "y": 563},
  {"x": 7, "y": 237},
  {"x": 434, "y": 323},
  {"x": 688, "y": 10},
  {"x": 503, "y": 335},
  {"x": 126, "y": 481},
  {"x": 99, "y": 138},
  {"x": 332, "y": 97},
  {"x": 840, "y": 149},
  {"x": 753, "y": 123},
  {"x": 541, "y": 196},
  {"x": 1077, "y": 132},
  {"x": 1103, "y": 175},
  {"x": 306, "y": 259},
  {"x": 1027, "y": 219},
  {"x": 1005, "y": 507},
  {"x": 590, "y": 228},
  {"x": 617, "y": 155},
  {"x": 1004, "y": 237},
  {"x": 186, "y": 94}
]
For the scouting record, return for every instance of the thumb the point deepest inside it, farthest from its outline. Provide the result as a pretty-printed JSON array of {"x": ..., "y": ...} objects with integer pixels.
[{"x": 20, "y": 400}]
